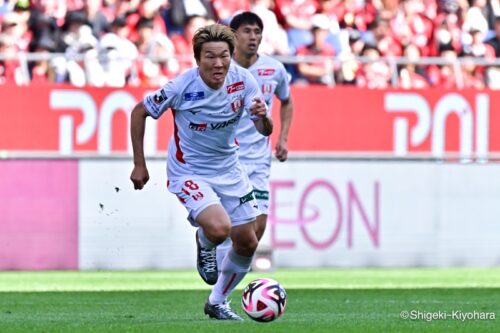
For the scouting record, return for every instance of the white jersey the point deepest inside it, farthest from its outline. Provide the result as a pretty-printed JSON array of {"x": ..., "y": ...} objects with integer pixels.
[
  {"x": 273, "y": 80},
  {"x": 205, "y": 120}
]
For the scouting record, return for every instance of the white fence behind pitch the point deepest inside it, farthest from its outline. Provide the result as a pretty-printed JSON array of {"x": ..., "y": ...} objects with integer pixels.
[{"x": 324, "y": 213}]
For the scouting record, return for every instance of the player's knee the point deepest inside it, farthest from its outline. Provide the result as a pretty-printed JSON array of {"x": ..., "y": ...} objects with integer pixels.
[
  {"x": 215, "y": 223},
  {"x": 246, "y": 246},
  {"x": 217, "y": 230},
  {"x": 220, "y": 231}
]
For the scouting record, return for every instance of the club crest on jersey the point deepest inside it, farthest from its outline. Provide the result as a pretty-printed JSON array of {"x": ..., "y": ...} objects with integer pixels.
[
  {"x": 236, "y": 104},
  {"x": 232, "y": 88},
  {"x": 267, "y": 88},
  {"x": 265, "y": 71},
  {"x": 159, "y": 96},
  {"x": 194, "y": 96}
]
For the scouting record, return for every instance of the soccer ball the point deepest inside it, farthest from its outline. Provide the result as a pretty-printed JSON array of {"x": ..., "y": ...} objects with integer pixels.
[{"x": 264, "y": 300}]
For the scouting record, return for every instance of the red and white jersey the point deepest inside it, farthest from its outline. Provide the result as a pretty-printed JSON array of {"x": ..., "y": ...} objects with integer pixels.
[
  {"x": 205, "y": 120},
  {"x": 273, "y": 79}
]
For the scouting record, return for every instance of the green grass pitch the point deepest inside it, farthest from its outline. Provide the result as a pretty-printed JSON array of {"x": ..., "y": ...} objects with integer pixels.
[{"x": 319, "y": 300}]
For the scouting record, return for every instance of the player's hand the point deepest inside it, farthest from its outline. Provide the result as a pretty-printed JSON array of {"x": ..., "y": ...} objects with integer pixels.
[
  {"x": 281, "y": 152},
  {"x": 258, "y": 108},
  {"x": 139, "y": 177}
]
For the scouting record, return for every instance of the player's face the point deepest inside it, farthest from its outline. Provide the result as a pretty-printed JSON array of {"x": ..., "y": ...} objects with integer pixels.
[
  {"x": 215, "y": 58},
  {"x": 248, "y": 38}
]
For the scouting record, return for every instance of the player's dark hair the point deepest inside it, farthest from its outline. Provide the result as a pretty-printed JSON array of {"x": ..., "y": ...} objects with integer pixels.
[
  {"x": 246, "y": 18},
  {"x": 212, "y": 33}
]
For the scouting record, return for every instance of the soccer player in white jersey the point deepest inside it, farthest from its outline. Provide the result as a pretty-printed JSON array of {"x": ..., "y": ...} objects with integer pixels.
[
  {"x": 255, "y": 149},
  {"x": 203, "y": 169}
]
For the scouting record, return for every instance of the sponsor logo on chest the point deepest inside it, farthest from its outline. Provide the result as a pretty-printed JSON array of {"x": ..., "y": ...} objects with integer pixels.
[
  {"x": 265, "y": 71},
  {"x": 198, "y": 127},
  {"x": 203, "y": 127},
  {"x": 224, "y": 124},
  {"x": 232, "y": 88}
]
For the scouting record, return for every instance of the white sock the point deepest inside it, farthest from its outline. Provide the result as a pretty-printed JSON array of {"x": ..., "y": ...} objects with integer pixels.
[
  {"x": 234, "y": 269},
  {"x": 204, "y": 241},
  {"x": 222, "y": 249}
]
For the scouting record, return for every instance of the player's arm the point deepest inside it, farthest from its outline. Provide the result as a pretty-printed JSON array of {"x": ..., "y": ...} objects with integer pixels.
[
  {"x": 257, "y": 107},
  {"x": 263, "y": 123},
  {"x": 153, "y": 105},
  {"x": 286, "y": 114},
  {"x": 140, "y": 174}
]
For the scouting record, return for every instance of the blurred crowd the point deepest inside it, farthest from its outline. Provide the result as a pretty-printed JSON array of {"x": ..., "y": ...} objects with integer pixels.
[{"x": 147, "y": 42}]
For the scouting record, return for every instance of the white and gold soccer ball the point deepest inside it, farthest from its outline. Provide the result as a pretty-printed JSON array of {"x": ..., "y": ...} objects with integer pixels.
[{"x": 264, "y": 300}]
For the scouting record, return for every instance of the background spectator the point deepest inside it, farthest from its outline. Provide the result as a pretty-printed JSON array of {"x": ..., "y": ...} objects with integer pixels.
[
  {"x": 179, "y": 10},
  {"x": 476, "y": 17},
  {"x": 42, "y": 71},
  {"x": 15, "y": 24},
  {"x": 410, "y": 25},
  {"x": 95, "y": 16},
  {"x": 349, "y": 64},
  {"x": 444, "y": 76},
  {"x": 296, "y": 16},
  {"x": 317, "y": 72},
  {"x": 157, "y": 63},
  {"x": 161, "y": 31},
  {"x": 493, "y": 52},
  {"x": 10, "y": 68},
  {"x": 118, "y": 55},
  {"x": 472, "y": 74},
  {"x": 226, "y": 9},
  {"x": 375, "y": 74},
  {"x": 411, "y": 75},
  {"x": 183, "y": 43},
  {"x": 381, "y": 35},
  {"x": 274, "y": 37}
]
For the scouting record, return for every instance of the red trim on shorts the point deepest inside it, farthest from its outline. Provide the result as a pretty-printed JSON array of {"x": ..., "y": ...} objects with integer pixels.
[
  {"x": 181, "y": 199},
  {"x": 236, "y": 141},
  {"x": 229, "y": 284},
  {"x": 179, "y": 154}
]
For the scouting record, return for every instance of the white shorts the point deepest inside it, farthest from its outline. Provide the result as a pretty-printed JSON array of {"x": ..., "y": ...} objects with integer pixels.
[
  {"x": 259, "y": 178},
  {"x": 232, "y": 190}
]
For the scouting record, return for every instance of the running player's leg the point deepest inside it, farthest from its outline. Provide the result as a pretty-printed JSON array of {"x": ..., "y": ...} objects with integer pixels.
[
  {"x": 206, "y": 213},
  {"x": 235, "y": 266},
  {"x": 222, "y": 250},
  {"x": 214, "y": 228},
  {"x": 239, "y": 201}
]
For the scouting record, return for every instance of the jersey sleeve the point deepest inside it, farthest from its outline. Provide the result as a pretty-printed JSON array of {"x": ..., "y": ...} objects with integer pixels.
[
  {"x": 283, "y": 88},
  {"x": 253, "y": 91},
  {"x": 157, "y": 102}
]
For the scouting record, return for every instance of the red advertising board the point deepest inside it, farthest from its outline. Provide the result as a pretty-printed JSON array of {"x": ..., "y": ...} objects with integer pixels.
[{"x": 342, "y": 119}]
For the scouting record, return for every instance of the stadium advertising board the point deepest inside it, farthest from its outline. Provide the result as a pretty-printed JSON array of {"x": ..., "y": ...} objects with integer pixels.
[
  {"x": 38, "y": 215},
  {"x": 384, "y": 214},
  {"x": 434, "y": 122},
  {"x": 121, "y": 228},
  {"x": 322, "y": 214},
  {"x": 85, "y": 214}
]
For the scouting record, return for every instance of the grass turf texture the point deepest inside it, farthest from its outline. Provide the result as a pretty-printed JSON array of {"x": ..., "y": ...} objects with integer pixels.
[{"x": 327, "y": 300}]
